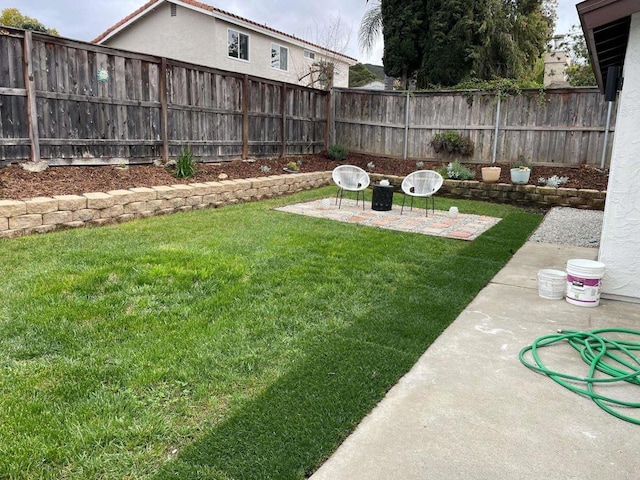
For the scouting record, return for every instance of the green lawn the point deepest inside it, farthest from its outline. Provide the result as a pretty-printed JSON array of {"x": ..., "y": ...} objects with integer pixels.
[{"x": 237, "y": 343}]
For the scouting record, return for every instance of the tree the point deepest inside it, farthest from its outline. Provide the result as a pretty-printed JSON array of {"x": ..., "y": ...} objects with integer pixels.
[
  {"x": 403, "y": 30},
  {"x": 360, "y": 75},
  {"x": 370, "y": 27},
  {"x": 580, "y": 72},
  {"x": 321, "y": 72},
  {"x": 444, "y": 42},
  {"x": 11, "y": 17}
]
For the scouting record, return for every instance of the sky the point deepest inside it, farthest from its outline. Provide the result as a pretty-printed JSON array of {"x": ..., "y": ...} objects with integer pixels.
[{"x": 309, "y": 20}]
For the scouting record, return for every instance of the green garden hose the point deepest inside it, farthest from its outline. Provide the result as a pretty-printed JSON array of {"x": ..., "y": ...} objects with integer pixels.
[{"x": 613, "y": 358}]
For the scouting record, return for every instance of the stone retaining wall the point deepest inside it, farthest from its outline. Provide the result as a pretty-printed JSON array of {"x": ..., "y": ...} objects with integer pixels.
[
  {"x": 532, "y": 195},
  {"x": 45, "y": 214}
]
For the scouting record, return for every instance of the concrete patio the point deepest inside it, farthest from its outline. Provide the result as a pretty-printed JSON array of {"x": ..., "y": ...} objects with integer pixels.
[{"x": 470, "y": 410}]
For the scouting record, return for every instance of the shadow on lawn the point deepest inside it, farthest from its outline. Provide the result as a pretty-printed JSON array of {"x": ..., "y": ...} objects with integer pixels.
[{"x": 291, "y": 428}]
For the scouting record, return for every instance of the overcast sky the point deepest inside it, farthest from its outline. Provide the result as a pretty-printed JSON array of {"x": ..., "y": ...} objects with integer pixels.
[{"x": 86, "y": 19}]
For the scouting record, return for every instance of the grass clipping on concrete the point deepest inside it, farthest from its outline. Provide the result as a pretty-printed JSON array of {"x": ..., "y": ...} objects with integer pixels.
[{"x": 232, "y": 343}]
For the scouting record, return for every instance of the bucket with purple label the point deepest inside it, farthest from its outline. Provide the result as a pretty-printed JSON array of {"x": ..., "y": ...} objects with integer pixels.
[{"x": 583, "y": 282}]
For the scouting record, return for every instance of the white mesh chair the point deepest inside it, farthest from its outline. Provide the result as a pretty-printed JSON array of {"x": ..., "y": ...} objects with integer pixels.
[
  {"x": 423, "y": 183},
  {"x": 351, "y": 179}
]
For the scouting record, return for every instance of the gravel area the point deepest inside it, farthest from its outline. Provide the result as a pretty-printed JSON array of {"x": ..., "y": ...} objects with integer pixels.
[{"x": 570, "y": 226}]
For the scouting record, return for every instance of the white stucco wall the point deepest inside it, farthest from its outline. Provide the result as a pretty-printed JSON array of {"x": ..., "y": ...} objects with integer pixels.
[
  {"x": 199, "y": 38},
  {"x": 620, "y": 242}
]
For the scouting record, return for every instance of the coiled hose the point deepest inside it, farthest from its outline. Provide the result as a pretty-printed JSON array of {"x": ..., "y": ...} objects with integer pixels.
[{"x": 614, "y": 358}]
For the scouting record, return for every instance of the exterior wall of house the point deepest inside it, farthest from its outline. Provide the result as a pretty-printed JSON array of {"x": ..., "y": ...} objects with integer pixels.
[
  {"x": 199, "y": 38},
  {"x": 620, "y": 242}
]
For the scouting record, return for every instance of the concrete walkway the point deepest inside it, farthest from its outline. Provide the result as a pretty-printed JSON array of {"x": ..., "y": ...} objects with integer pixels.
[{"x": 470, "y": 410}]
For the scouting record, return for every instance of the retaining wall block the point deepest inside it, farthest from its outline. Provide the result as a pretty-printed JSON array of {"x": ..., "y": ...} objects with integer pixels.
[
  {"x": 55, "y": 218},
  {"x": 165, "y": 192},
  {"x": 4, "y": 224},
  {"x": 120, "y": 197},
  {"x": 111, "y": 212},
  {"x": 183, "y": 190},
  {"x": 71, "y": 202},
  {"x": 143, "y": 194},
  {"x": 85, "y": 215},
  {"x": 98, "y": 200},
  {"x": 12, "y": 208},
  {"x": 25, "y": 221},
  {"x": 41, "y": 205}
]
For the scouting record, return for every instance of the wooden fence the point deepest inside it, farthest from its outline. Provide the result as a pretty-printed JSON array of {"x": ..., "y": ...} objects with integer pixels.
[
  {"x": 556, "y": 126},
  {"x": 75, "y": 103}
]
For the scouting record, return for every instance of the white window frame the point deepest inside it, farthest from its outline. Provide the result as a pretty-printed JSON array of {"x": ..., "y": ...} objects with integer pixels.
[
  {"x": 308, "y": 54},
  {"x": 280, "y": 48},
  {"x": 239, "y": 34}
]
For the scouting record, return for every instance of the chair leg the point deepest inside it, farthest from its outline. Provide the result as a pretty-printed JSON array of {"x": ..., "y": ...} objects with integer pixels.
[
  {"x": 340, "y": 193},
  {"x": 411, "y": 208},
  {"x": 426, "y": 206},
  {"x": 404, "y": 197}
]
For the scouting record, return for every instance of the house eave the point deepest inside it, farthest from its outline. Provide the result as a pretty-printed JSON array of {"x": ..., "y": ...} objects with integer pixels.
[{"x": 605, "y": 24}]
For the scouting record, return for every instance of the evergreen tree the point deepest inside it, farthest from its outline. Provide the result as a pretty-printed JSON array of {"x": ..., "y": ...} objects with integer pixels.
[
  {"x": 360, "y": 75},
  {"x": 448, "y": 41},
  {"x": 403, "y": 28}
]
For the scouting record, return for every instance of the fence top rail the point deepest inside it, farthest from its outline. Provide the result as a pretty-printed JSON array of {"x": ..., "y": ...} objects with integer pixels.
[{"x": 524, "y": 91}]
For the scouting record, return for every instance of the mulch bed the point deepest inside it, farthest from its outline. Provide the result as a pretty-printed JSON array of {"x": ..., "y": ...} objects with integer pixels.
[{"x": 16, "y": 183}]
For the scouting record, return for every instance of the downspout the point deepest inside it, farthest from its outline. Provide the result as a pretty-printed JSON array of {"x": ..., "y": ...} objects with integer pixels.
[{"x": 606, "y": 136}]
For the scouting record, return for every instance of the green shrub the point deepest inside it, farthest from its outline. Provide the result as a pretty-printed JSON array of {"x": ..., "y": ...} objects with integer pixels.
[
  {"x": 185, "y": 165},
  {"x": 293, "y": 166},
  {"x": 456, "y": 171},
  {"x": 451, "y": 141},
  {"x": 337, "y": 152}
]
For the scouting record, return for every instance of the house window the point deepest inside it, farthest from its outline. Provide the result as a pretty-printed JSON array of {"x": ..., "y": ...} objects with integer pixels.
[
  {"x": 279, "y": 57},
  {"x": 238, "y": 44},
  {"x": 309, "y": 54}
]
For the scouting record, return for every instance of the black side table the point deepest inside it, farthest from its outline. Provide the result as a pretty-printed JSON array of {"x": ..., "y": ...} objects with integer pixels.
[{"x": 382, "y": 198}]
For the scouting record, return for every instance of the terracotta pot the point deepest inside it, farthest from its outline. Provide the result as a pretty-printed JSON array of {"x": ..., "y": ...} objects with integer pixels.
[{"x": 490, "y": 174}]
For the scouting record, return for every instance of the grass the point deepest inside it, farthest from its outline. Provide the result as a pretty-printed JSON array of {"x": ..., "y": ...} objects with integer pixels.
[{"x": 219, "y": 344}]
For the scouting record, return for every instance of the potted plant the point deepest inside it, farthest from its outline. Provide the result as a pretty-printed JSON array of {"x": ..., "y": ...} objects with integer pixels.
[
  {"x": 520, "y": 172},
  {"x": 491, "y": 174}
]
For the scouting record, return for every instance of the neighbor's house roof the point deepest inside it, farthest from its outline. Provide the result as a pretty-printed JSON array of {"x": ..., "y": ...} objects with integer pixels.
[
  {"x": 606, "y": 24},
  {"x": 215, "y": 12}
]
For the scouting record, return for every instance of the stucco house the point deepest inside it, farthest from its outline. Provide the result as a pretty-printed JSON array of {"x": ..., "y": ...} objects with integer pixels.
[
  {"x": 194, "y": 32},
  {"x": 612, "y": 32}
]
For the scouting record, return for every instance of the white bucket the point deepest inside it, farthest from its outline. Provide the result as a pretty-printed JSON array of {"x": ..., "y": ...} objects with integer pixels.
[
  {"x": 551, "y": 283},
  {"x": 583, "y": 282}
]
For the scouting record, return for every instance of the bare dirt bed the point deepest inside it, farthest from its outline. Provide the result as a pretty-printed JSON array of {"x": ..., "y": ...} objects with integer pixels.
[{"x": 17, "y": 184}]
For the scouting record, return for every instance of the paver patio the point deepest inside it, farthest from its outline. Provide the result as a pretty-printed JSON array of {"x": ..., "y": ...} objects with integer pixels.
[{"x": 439, "y": 223}]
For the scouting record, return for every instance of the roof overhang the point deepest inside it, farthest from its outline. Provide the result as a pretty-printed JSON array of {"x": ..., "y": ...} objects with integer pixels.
[{"x": 605, "y": 24}]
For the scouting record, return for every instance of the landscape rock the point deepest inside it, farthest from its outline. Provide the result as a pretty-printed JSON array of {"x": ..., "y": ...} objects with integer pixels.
[{"x": 35, "y": 167}]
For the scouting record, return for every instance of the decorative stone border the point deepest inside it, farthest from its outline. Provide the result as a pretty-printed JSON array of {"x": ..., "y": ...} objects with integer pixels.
[{"x": 45, "y": 214}]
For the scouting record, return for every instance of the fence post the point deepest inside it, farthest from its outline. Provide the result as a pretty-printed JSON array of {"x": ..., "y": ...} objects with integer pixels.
[
  {"x": 245, "y": 117},
  {"x": 32, "y": 112},
  {"x": 283, "y": 111},
  {"x": 496, "y": 131},
  {"x": 329, "y": 123},
  {"x": 406, "y": 127},
  {"x": 164, "y": 110}
]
